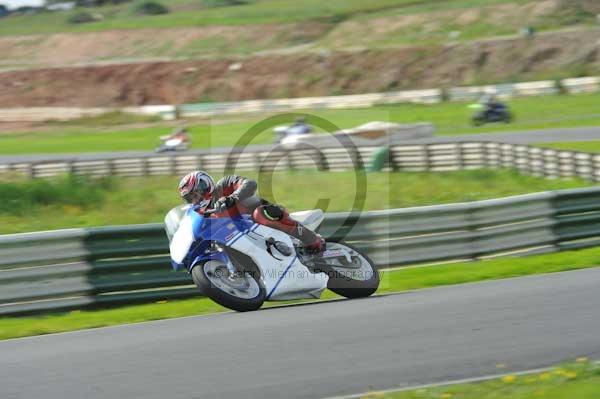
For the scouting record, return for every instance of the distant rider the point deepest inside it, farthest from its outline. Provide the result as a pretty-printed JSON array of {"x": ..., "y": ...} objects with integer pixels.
[
  {"x": 238, "y": 195},
  {"x": 491, "y": 104},
  {"x": 299, "y": 127},
  {"x": 180, "y": 134}
]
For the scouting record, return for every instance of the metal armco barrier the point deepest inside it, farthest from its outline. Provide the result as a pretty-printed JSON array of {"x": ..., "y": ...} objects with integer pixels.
[
  {"x": 577, "y": 216},
  {"x": 428, "y": 96},
  {"x": 411, "y": 157},
  {"x": 79, "y": 268}
]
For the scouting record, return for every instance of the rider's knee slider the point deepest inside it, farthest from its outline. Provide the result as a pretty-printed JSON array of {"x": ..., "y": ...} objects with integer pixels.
[
  {"x": 273, "y": 212},
  {"x": 274, "y": 216}
]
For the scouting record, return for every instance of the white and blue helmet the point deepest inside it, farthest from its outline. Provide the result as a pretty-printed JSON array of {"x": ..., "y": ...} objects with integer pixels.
[{"x": 196, "y": 186}]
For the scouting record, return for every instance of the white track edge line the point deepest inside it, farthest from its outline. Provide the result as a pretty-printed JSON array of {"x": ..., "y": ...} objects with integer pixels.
[{"x": 444, "y": 383}]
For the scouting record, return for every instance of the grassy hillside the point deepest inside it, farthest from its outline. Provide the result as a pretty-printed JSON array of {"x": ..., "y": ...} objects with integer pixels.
[
  {"x": 199, "y": 13},
  {"x": 195, "y": 30},
  {"x": 289, "y": 48},
  {"x": 493, "y": 18}
]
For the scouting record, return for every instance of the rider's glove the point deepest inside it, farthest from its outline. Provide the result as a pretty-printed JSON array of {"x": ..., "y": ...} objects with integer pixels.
[{"x": 225, "y": 203}]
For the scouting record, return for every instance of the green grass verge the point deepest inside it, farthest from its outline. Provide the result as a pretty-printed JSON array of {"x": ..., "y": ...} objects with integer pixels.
[
  {"x": 579, "y": 379},
  {"x": 107, "y": 119},
  {"x": 391, "y": 281},
  {"x": 146, "y": 200},
  {"x": 585, "y": 146},
  {"x": 93, "y": 135},
  {"x": 20, "y": 197}
]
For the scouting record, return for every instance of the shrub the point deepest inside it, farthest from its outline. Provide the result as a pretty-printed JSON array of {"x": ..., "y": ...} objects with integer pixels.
[
  {"x": 19, "y": 197},
  {"x": 224, "y": 3},
  {"x": 98, "y": 3},
  {"x": 150, "y": 8},
  {"x": 81, "y": 17}
]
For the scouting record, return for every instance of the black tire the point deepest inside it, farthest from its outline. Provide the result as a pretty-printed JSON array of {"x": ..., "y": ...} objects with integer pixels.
[
  {"x": 224, "y": 298},
  {"x": 477, "y": 121},
  {"x": 342, "y": 285}
]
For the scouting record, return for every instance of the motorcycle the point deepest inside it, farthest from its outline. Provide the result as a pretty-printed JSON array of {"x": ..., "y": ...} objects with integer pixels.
[
  {"x": 497, "y": 113},
  {"x": 241, "y": 264},
  {"x": 289, "y": 135},
  {"x": 173, "y": 144}
]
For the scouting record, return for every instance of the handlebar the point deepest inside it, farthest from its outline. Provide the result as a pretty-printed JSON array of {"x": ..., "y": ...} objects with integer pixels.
[{"x": 209, "y": 212}]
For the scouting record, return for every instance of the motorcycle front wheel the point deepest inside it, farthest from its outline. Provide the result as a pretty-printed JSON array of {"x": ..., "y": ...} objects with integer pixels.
[
  {"x": 478, "y": 120},
  {"x": 352, "y": 274},
  {"x": 240, "y": 291}
]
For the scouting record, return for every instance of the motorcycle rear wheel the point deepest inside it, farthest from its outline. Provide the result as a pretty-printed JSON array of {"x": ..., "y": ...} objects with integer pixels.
[
  {"x": 477, "y": 121},
  {"x": 242, "y": 292},
  {"x": 355, "y": 279}
]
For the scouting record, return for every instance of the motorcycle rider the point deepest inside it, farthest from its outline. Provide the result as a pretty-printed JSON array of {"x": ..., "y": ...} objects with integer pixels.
[
  {"x": 491, "y": 104},
  {"x": 236, "y": 194},
  {"x": 299, "y": 127},
  {"x": 180, "y": 134}
]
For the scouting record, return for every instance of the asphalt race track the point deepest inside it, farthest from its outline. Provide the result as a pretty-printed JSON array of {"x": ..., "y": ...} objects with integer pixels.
[
  {"x": 526, "y": 137},
  {"x": 319, "y": 350}
]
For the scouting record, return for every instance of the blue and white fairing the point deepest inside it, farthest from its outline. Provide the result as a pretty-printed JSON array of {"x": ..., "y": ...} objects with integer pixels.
[
  {"x": 283, "y": 276},
  {"x": 191, "y": 242}
]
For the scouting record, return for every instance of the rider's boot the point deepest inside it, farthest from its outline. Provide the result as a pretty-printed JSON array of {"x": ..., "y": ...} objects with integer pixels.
[{"x": 278, "y": 218}]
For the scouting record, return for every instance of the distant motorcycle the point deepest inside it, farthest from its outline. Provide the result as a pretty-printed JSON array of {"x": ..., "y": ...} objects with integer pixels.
[
  {"x": 498, "y": 112},
  {"x": 175, "y": 144},
  {"x": 291, "y": 134}
]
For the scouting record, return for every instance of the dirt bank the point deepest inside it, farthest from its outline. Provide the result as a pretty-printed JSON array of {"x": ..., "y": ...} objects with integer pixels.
[{"x": 311, "y": 74}]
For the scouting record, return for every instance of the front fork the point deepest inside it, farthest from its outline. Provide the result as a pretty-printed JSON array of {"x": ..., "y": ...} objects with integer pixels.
[
  {"x": 214, "y": 251},
  {"x": 216, "y": 247}
]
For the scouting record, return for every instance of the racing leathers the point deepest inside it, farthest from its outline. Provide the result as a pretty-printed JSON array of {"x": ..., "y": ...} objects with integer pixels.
[
  {"x": 236, "y": 195},
  {"x": 240, "y": 194}
]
